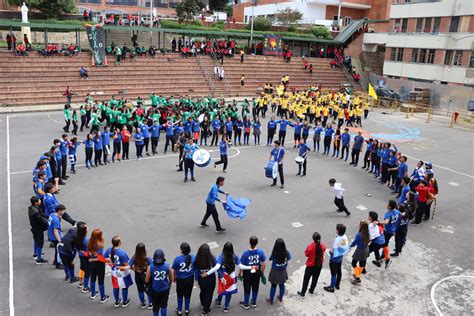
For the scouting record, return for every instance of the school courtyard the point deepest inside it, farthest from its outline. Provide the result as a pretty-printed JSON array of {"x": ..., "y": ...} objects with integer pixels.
[{"x": 147, "y": 201}]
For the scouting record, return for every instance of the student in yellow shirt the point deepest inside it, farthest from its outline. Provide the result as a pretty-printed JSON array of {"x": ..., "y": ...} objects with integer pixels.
[
  {"x": 340, "y": 117},
  {"x": 358, "y": 112},
  {"x": 366, "y": 109}
]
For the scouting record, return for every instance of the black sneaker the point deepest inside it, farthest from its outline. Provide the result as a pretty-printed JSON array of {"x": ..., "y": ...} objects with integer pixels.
[
  {"x": 179, "y": 313},
  {"x": 364, "y": 271},
  {"x": 394, "y": 254},
  {"x": 59, "y": 267},
  {"x": 85, "y": 290},
  {"x": 41, "y": 261},
  {"x": 117, "y": 304},
  {"x": 94, "y": 295},
  {"x": 193, "y": 180},
  {"x": 35, "y": 257},
  {"x": 300, "y": 294},
  {"x": 143, "y": 305},
  {"x": 220, "y": 231},
  {"x": 376, "y": 263},
  {"x": 329, "y": 289},
  {"x": 217, "y": 302},
  {"x": 150, "y": 306},
  {"x": 273, "y": 184},
  {"x": 126, "y": 303},
  {"x": 185, "y": 180},
  {"x": 356, "y": 281},
  {"x": 104, "y": 299},
  {"x": 387, "y": 263},
  {"x": 244, "y": 306},
  {"x": 203, "y": 225},
  {"x": 226, "y": 309},
  {"x": 186, "y": 312}
]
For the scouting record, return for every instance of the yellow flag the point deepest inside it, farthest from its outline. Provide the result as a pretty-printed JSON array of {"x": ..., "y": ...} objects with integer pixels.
[{"x": 372, "y": 92}]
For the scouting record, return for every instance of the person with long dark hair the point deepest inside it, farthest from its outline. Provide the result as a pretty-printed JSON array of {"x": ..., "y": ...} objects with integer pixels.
[
  {"x": 278, "y": 275},
  {"x": 120, "y": 269},
  {"x": 95, "y": 253},
  {"x": 81, "y": 246},
  {"x": 361, "y": 242},
  {"x": 67, "y": 250},
  {"x": 183, "y": 276},
  {"x": 402, "y": 232},
  {"x": 377, "y": 238},
  {"x": 140, "y": 263},
  {"x": 225, "y": 267},
  {"x": 314, "y": 264},
  {"x": 203, "y": 264}
]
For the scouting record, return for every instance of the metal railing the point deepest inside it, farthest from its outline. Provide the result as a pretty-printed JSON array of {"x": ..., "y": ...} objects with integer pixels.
[
  {"x": 206, "y": 74},
  {"x": 348, "y": 74},
  {"x": 216, "y": 64}
]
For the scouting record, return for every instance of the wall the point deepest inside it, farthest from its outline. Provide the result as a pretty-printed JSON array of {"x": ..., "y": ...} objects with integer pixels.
[
  {"x": 434, "y": 9},
  {"x": 355, "y": 14},
  {"x": 37, "y": 37},
  {"x": 310, "y": 10}
]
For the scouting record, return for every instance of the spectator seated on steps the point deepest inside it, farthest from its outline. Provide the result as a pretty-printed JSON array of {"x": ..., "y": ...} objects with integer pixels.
[{"x": 84, "y": 73}]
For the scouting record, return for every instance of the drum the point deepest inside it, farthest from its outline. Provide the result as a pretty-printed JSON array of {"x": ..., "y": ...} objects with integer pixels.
[
  {"x": 271, "y": 170},
  {"x": 201, "y": 118},
  {"x": 202, "y": 158},
  {"x": 299, "y": 159}
]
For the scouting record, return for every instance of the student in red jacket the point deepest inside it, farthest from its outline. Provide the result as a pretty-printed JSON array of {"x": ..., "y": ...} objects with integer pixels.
[{"x": 315, "y": 254}]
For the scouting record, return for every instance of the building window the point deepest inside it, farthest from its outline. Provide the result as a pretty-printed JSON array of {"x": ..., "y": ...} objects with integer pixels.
[
  {"x": 427, "y": 25},
  {"x": 347, "y": 20},
  {"x": 448, "y": 57},
  {"x": 414, "y": 55},
  {"x": 457, "y": 58},
  {"x": 453, "y": 27},
  {"x": 436, "y": 24},
  {"x": 397, "y": 26},
  {"x": 422, "y": 59},
  {"x": 431, "y": 56},
  {"x": 400, "y": 54},
  {"x": 419, "y": 25},
  {"x": 393, "y": 53},
  {"x": 404, "y": 25},
  {"x": 471, "y": 61}
]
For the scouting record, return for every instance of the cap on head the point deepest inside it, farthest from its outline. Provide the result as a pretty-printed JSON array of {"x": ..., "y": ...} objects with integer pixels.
[{"x": 158, "y": 256}]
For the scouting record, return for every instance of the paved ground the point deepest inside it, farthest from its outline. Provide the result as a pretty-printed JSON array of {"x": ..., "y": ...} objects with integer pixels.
[{"x": 147, "y": 201}]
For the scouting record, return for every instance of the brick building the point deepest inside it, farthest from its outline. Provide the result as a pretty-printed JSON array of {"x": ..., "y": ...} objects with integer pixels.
[{"x": 427, "y": 41}]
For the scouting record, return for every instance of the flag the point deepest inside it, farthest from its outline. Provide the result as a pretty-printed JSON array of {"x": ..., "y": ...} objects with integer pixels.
[
  {"x": 371, "y": 92},
  {"x": 121, "y": 279},
  {"x": 230, "y": 286},
  {"x": 341, "y": 246},
  {"x": 236, "y": 208}
]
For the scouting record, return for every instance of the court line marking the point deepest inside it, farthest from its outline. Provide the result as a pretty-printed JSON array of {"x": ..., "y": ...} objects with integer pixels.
[
  {"x": 433, "y": 289},
  {"x": 144, "y": 158},
  {"x": 53, "y": 120},
  {"x": 10, "y": 236}
]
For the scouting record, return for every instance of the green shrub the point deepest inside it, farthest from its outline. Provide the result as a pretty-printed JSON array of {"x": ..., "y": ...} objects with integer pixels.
[
  {"x": 260, "y": 24},
  {"x": 321, "y": 32},
  {"x": 292, "y": 29}
]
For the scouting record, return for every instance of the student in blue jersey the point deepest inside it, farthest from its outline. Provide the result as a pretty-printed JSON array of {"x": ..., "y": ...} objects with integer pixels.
[
  {"x": 229, "y": 127},
  {"x": 88, "y": 146},
  {"x": 155, "y": 136},
  {"x": 238, "y": 126},
  {"x": 67, "y": 250},
  {"x": 271, "y": 127},
  {"x": 404, "y": 189},
  {"x": 216, "y": 126},
  {"x": 72, "y": 149},
  {"x": 251, "y": 278},
  {"x": 368, "y": 154},
  {"x": 247, "y": 129},
  {"x": 223, "y": 144},
  {"x": 196, "y": 127},
  {"x": 401, "y": 235},
  {"x": 39, "y": 224},
  {"x": 306, "y": 129},
  {"x": 225, "y": 268},
  {"x": 257, "y": 131},
  {"x": 55, "y": 233},
  {"x": 63, "y": 148},
  {"x": 357, "y": 148},
  {"x": 345, "y": 140},
  {"x": 374, "y": 162},
  {"x": 189, "y": 149},
  {"x": 391, "y": 222},
  {"x": 278, "y": 155},
  {"x": 158, "y": 275},
  {"x": 81, "y": 247},
  {"x": 385, "y": 161},
  {"x": 138, "y": 138},
  {"x": 402, "y": 172},
  {"x": 183, "y": 276},
  {"x": 303, "y": 151},
  {"x": 145, "y": 129},
  {"x": 377, "y": 238},
  {"x": 339, "y": 249},
  {"x": 211, "y": 199},
  {"x": 39, "y": 185},
  {"x": 117, "y": 143},
  {"x": 278, "y": 274},
  {"x": 119, "y": 260},
  {"x": 106, "y": 143},
  {"x": 204, "y": 263},
  {"x": 361, "y": 242},
  {"x": 298, "y": 126},
  {"x": 97, "y": 148},
  {"x": 283, "y": 127},
  {"x": 392, "y": 169},
  {"x": 327, "y": 138},
  {"x": 140, "y": 263},
  {"x": 169, "y": 128},
  {"x": 95, "y": 253},
  {"x": 51, "y": 202},
  {"x": 317, "y": 136}
]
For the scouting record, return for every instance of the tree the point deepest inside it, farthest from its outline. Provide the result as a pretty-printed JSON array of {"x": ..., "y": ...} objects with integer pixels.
[
  {"x": 229, "y": 10},
  {"x": 288, "y": 16},
  {"x": 218, "y": 5},
  {"x": 187, "y": 10},
  {"x": 49, "y": 9},
  {"x": 321, "y": 32},
  {"x": 260, "y": 24}
]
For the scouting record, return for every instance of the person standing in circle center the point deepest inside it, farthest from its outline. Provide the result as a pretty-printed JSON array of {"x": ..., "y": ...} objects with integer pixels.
[
  {"x": 189, "y": 149},
  {"x": 158, "y": 274},
  {"x": 278, "y": 154},
  {"x": 212, "y": 197}
]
